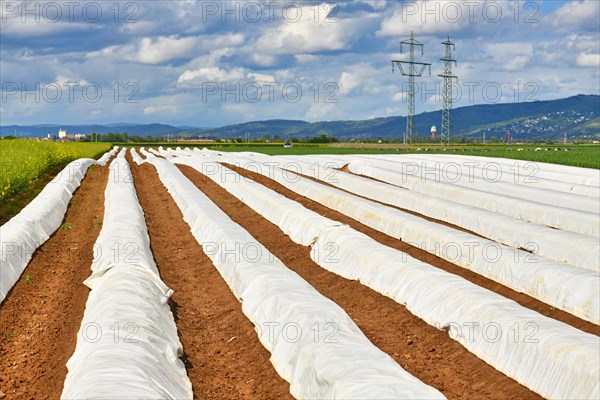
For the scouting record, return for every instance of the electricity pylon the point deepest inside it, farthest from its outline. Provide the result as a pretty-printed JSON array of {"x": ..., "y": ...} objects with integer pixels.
[
  {"x": 412, "y": 73},
  {"x": 446, "y": 135}
]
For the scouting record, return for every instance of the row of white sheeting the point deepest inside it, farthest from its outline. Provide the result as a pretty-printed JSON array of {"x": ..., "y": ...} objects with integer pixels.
[
  {"x": 432, "y": 172},
  {"x": 550, "y": 172},
  {"x": 136, "y": 157},
  {"x": 127, "y": 346},
  {"x": 540, "y": 239},
  {"x": 556, "y": 361},
  {"x": 26, "y": 231},
  {"x": 585, "y": 223},
  {"x": 523, "y": 173},
  {"x": 574, "y": 290},
  {"x": 146, "y": 153},
  {"x": 553, "y": 172},
  {"x": 276, "y": 299},
  {"x": 327, "y": 160},
  {"x": 155, "y": 152},
  {"x": 107, "y": 156}
]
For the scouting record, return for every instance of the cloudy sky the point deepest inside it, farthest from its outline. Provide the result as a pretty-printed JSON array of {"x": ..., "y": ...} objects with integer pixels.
[{"x": 212, "y": 63}]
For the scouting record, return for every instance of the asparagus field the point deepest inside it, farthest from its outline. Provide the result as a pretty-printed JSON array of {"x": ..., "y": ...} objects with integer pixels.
[{"x": 196, "y": 273}]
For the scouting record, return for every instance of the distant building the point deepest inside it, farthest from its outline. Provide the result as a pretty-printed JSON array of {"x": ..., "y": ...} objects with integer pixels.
[
  {"x": 433, "y": 131},
  {"x": 203, "y": 140},
  {"x": 65, "y": 137}
]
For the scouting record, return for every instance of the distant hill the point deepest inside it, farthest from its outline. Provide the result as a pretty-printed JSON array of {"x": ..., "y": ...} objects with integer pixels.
[
  {"x": 577, "y": 116},
  {"x": 131, "y": 129},
  {"x": 254, "y": 128},
  {"x": 531, "y": 120}
]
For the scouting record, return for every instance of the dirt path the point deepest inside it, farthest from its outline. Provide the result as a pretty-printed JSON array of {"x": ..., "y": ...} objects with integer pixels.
[
  {"x": 224, "y": 358},
  {"x": 422, "y": 350},
  {"x": 521, "y": 298},
  {"x": 40, "y": 317}
]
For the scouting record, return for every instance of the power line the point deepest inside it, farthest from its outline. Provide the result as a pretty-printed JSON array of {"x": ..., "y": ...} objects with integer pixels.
[{"x": 412, "y": 73}]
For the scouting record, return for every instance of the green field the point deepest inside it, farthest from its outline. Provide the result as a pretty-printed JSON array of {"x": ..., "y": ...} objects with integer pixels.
[
  {"x": 22, "y": 161},
  {"x": 579, "y": 156},
  {"x": 586, "y": 156}
]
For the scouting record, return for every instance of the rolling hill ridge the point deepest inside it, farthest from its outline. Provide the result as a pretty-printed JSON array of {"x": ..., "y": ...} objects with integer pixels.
[{"x": 576, "y": 116}]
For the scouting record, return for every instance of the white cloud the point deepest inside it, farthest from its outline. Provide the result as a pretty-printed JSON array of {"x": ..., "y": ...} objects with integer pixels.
[
  {"x": 64, "y": 81},
  {"x": 510, "y": 56},
  {"x": 434, "y": 99},
  {"x": 588, "y": 60},
  {"x": 303, "y": 37},
  {"x": 108, "y": 51},
  {"x": 321, "y": 112},
  {"x": 348, "y": 82},
  {"x": 219, "y": 41},
  {"x": 376, "y": 4},
  {"x": 261, "y": 78},
  {"x": 503, "y": 50},
  {"x": 573, "y": 50},
  {"x": 139, "y": 28},
  {"x": 210, "y": 74},
  {"x": 586, "y": 43},
  {"x": 363, "y": 78},
  {"x": 163, "y": 49},
  {"x": 284, "y": 75},
  {"x": 172, "y": 107},
  {"x": 214, "y": 56},
  {"x": 425, "y": 18},
  {"x": 312, "y": 35},
  {"x": 162, "y": 109},
  {"x": 516, "y": 63},
  {"x": 577, "y": 14},
  {"x": 38, "y": 24},
  {"x": 243, "y": 111},
  {"x": 400, "y": 96},
  {"x": 306, "y": 58},
  {"x": 264, "y": 60}
]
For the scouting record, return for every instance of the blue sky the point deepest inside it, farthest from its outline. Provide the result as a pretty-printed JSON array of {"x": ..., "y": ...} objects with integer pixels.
[{"x": 213, "y": 63}]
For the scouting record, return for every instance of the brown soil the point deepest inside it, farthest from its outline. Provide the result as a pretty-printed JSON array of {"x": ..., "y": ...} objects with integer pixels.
[
  {"x": 40, "y": 319},
  {"x": 400, "y": 189},
  {"x": 422, "y": 350},
  {"x": 521, "y": 298},
  {"x": 223, "y": 356},
  {"x": 425, "y": 217}
]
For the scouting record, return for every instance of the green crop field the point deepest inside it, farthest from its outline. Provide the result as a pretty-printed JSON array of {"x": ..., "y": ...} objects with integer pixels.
[
  {"x": 578, "y": 156},
  {"x": 23, "y": 161},
  {"x": 302, "y": 150}
]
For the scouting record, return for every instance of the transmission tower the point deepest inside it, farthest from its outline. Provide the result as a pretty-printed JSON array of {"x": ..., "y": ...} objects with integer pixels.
[
  {"x": 413, "y": 71},
  {"x": 447, "y": 92}
]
